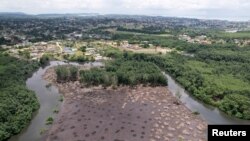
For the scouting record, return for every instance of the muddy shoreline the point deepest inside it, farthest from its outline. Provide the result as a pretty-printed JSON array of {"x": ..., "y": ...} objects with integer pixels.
[{"x": 138, "y": 114}]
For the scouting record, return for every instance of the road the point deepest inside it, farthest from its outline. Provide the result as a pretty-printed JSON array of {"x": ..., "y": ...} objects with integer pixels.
[{"x": 57, "y": 43}]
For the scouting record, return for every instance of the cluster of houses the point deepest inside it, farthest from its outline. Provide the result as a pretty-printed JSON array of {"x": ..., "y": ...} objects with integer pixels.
[
  {"x": 125, "y": 44},
  {"x": 241, "y": 42},
  {"x": 204, "y": 40},
  {"x": 199, "y": 39},
  {"x": 93, "y": 52},
  {"x": 36, "y": 50},
  {"x": 69, "y": 50}
]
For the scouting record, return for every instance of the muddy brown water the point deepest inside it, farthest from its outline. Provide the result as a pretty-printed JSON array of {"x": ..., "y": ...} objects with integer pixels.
[{"x": 49, "y": 100}]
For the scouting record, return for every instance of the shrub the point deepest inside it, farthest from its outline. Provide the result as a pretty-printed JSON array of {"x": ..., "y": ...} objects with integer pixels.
[
  {"x": 73, "y": 73},
  {"x": 236, "y": 105},
  {"x": 49, "y": 120},
  {"x": 62, "y": 73},
  {"x": 17, "y": 103},
  {"x": 44, "y": 60},
  {"x": 122, "y": 72}
]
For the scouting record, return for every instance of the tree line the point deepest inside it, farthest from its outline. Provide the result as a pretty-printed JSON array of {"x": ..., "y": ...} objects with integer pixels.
[
  {"x": 115, "y": 73},
  {"x": 223, "y": 83}
]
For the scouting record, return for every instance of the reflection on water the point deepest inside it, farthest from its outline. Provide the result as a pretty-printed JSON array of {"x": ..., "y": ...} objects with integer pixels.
[
  {"x": 210, "y": 114},
  {"x": 49, "y": 100}
]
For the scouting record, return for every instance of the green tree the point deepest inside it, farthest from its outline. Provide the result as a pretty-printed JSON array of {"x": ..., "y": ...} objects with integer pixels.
[
  {"x": 83, "y": 48},
  {"x": 44, "y": 60}
]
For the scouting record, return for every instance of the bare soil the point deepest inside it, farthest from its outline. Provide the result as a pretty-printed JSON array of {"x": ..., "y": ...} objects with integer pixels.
[
  {"x": 151, "y": 50},
  {"x": 123, "y": 114}
]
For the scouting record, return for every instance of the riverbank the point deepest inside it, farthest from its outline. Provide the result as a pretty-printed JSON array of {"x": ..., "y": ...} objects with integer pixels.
[
  {"x": 141, "y": 113},
  {"x": 17, "y": 102}
]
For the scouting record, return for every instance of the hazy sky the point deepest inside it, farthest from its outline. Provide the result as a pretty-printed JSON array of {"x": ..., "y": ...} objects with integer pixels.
[{"x": 216, "y": 9}]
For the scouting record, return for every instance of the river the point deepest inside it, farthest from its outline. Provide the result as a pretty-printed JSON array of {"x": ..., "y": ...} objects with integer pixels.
[
  {"x": 49, "y": 100},
  {"x": 210, "y": 114}
]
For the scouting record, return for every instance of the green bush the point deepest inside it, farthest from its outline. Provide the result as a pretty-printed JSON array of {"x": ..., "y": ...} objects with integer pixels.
[
  {"x": 49, "y": 120},
  {"x": 62, "y": 73},
  {"x": 236, "y": 105},
  {"x": 209, "y": 77},
  {"x": 80, "y": 58},
  {"x": 17, "y": 103},
  {"x": 66, "y": 73},
  {"x": 44, "y": 60},
  {"x": 122, "y": 72},
  {"x": 73, "y": 73}
]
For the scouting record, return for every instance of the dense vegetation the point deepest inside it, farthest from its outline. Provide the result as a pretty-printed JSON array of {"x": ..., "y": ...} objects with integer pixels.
[
  {"x": 118, "y": 72},
  {"x": 145, "y": 30},
  {"x": 17, "y": 103},
  {"x": 222, "y": 82},
  {"x": 216, "y": 75},
  {"x": 165, "y": 41},
  {"x": 121, "y": 72},
  {"x": 227, "y": 35},
  {"x": 216, "y": 34},
  {"x": 44, "y": 60},
  {"x": 78, "y": 58},
  {"x": 66, "y": 73}
]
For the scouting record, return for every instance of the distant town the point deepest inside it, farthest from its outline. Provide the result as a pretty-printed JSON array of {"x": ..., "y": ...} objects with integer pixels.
[{"x": 33, "y": 36}]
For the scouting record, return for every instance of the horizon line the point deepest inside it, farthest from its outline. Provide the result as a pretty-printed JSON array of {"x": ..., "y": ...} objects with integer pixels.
[{"x": 122, "y": 14}]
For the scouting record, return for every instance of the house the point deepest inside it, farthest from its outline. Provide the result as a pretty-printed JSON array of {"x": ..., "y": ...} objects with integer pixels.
[
  {"x": 184, "y": 37},
  {"x": 68, "y": 50},
  {"x": 74, "y": 49}
]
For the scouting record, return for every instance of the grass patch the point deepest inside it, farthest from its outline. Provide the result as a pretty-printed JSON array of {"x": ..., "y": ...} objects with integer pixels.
[
  {"x": 49, "y": 120},
  {"x": 195, "y": 113},
  {"x": 61, "y": 98},
  {"x": 43, "y": 130},
  {"x": 55, "y": 111}
]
